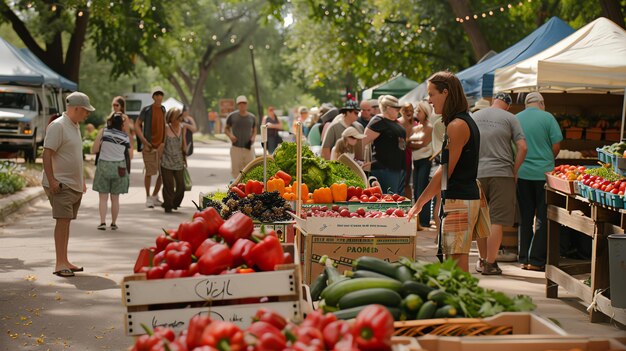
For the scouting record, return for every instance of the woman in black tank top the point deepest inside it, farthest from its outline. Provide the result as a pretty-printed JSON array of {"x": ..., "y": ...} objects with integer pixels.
[{"x": 462, "y": 143}]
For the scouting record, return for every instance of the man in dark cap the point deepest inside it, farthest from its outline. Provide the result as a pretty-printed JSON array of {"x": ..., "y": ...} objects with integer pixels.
[{"x": 348, "y": 115}]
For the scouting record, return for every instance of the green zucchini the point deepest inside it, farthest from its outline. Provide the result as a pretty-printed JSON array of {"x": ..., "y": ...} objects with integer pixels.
[
  {"x": 412, "y": 302},
  {"x": 411, "y": 287},
  {"x": 351, "y": 313},
  {"x": 318, "y": 285},
  {"x": 332, "y": 273},
  {"x": 336, "y": 291},
  {"x": 427, "y": 310},
  {"x": 375, "y": 265},
  {"x": 404, "y": 274},
  {"x": 438, "y": 296},
  {"x": 381, "y": 296},
  {"x": 446, "y": 311},
  {"x": 365, "y": 274}
]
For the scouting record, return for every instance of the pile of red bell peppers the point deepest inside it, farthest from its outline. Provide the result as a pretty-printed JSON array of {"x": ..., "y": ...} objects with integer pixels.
[
  {"x": 371, "y": 330},
  {"x": 208, "y": 245}
]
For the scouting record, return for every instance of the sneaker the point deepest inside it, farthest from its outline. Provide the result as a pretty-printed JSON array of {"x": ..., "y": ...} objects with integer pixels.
[
  {"x": 113, "y": 226},
  {"x": 156, "y": 201},
  {"x": 491, "y": 268},
  {"x": 102, "y": 226},
  {"x": 506, "y": 256},
  {"x": 149, "y": 202},
  {"x": 480, "y": 265}
]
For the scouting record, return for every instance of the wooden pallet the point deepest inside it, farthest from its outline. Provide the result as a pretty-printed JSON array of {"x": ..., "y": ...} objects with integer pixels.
[{"x": 173, "y": 302}]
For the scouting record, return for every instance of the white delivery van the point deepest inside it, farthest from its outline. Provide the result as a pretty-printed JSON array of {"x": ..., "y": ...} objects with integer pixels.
[{"x": 24, "y": 115}]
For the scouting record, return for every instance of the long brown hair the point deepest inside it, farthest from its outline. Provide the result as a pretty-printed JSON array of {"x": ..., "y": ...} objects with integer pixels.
[
  {"x": 455, "y": 102},
  {"x": 122, "y": 102}
]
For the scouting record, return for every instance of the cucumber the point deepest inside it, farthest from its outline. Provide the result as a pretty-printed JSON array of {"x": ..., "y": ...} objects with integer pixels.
[
  {"x": 412, "y": 303},
  {"x": 427, "y": 310},
  {"x": 365, "y": 274},
  {"x": 446, "y": 311},
  {"x": 318, "y": 285},
  {"x": 336, "y": 291},
  {"x": 411, "y": 287},
  {"x": 404, "y": 274},
  {"x": 438, "y": 296},
  {"x": 332, "y": 273},
  {"x": 375, "y": 265},
  {"x": 363, "y": 297},
  {"x": 351, "y": 313}
]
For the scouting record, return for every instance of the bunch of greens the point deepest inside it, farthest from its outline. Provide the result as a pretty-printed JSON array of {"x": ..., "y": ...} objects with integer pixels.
[
  {"x": 256, "y": 173},
  {"x": 341, "y": 173},
  {"x": 465, "y": 294},
  {"x": 605, "y": 171}
]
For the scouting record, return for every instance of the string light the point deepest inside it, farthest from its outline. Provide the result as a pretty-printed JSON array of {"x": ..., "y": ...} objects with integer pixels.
[{"x": 483, "y": 14}]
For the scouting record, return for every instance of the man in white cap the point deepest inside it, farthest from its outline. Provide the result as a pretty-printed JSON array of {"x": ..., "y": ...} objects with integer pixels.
[
  {"x": 498, "y": 165},
  {"x": 63, "y": 179},
  {"x": 543, "y": 137},
  {"x": 150, "y": 129},
  {"x": 241, "y": 130}
]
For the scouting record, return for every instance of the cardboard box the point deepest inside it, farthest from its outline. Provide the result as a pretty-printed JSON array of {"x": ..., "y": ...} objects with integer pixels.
[
  {"x": 344, "y": 249},
  {"x": 357, "y": 226}
]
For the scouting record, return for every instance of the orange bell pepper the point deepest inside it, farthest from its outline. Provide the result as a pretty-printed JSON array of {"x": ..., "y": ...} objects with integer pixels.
[
  {"x": 339, "y": 191},
  {"x": 304, "y": 190},
  {"x": 276, "y": 185},
  {"x": 322, "y": 196}
]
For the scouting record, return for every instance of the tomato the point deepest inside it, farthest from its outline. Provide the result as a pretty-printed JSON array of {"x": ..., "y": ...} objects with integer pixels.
[
  {"x": 595, "y": 185},
  {"x": 373, "y": 199},
  {"x": 615, "y": 191},
  {"x": 622, "y": 187}
]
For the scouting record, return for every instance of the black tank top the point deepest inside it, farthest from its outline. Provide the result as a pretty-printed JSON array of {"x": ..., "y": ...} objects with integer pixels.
[{"x": 462, "y": 184}]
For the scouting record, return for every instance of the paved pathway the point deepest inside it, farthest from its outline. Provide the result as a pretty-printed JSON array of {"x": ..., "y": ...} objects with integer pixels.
[{"x": 39, "y": 311}]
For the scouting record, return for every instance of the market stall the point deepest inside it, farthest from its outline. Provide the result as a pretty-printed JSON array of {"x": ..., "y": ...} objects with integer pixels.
[{"x": 396, "y": 86}]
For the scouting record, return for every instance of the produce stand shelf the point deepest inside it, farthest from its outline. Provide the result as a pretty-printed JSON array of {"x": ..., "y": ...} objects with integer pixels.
[
  {"x": 172, "y": 302},
  {"x": 598, "y": 222}
]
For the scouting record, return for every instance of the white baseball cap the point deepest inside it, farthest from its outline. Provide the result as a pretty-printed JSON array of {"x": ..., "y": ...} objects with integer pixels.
[
  {"x": 157, "y": 89},
  {"x": 240, "y": 99},
  {"x": 79, "y": 99}
]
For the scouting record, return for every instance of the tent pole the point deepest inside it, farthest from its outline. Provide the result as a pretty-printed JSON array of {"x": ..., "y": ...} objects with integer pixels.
[{"x": 621, "y": 136}]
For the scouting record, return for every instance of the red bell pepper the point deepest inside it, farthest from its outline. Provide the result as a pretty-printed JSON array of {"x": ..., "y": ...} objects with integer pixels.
[
  {"x": 213, "y": 220},
  {"x": 176, "y": 273},
  {"x": 241, "y": 251},
  {"x": 206, "y": 244},
  {"x": 153, "y": 338},
  {"x": 240, "y": 193},
  {"x": 254, "y": 187},
  {"x": 309, "y": 335},
  {"x": 267, "y": 253},
  {"x": 271, "y": 317},
  {"x": 284, "y": 176},
  {"x": 287, "y": 258},
  {"x": 373, "y": 328},
  {"x": 224, "y": 336},
  {"x": 164, "y": 239},
  {"x": 271, "y": 342},
  {"x": 237, "y": 226},
  {"x": 178, "y": 255},
  {"x": 334, "y": 332},
  {"x": 215, "y": 260},
  {"x": 347, "y": 343},
  {"x": 354, "y": 191},
  {"x": 144, "y": 259},
  {"x": 157, "y": 272},
  {"x": 195, "y": 330},
  {"x": 193, "y": 269},
  {"x": 194, "y": 232},
  {"x": 158, "y": 258},
  {"x": 318, "y": 320},
  {"x": 259, "y": 328}
]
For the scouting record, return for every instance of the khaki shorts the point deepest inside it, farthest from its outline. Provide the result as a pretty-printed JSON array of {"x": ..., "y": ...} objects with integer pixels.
[
  {"x": 65, "y": 203},
  {"x": 239, "y": 159},
  {"x": 501, "y": 196},
  {"x": 465, "y": 221},
  {"x": 151, "y": 162}
]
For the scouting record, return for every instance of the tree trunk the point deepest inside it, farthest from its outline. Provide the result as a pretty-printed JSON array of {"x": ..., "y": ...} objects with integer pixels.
[
  {"x": 479, "y": 44},
  {"x": 611, "y": 9}
]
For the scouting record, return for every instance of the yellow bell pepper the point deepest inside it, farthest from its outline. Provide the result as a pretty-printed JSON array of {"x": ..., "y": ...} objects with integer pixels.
[
  {"x": 339, "y": 191},
  {"x": 322, "y": 196},
  {"x": 276, "y": 184}
]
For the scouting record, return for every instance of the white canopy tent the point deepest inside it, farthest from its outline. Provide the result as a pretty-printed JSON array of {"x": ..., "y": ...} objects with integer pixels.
[{"x": 591, "y": 60}]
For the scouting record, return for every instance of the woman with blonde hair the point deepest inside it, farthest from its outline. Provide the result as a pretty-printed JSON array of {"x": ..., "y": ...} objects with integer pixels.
[
  {"x": 421, "y": 146},
  {"x": 174, "y": 160}
]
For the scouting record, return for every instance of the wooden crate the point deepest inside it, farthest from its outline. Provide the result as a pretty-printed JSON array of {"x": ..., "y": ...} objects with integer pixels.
[
  {"x": 518, "y": 343},
  {"x": 563, "y": 185},
  {"x": 173, "y": 302}
]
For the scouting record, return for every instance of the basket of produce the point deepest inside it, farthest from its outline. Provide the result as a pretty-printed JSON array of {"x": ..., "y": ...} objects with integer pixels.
[{"x": 562, "y": 178}]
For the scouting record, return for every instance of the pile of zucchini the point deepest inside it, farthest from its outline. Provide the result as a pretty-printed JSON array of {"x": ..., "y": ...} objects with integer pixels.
[{"x": 409, "y": 289}]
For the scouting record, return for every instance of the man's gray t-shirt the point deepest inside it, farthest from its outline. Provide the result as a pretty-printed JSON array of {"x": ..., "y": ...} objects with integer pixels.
[
  {"x": 334, "y": 131},
  {"x": 241, "y": 127},
  {"x": 498, "y": 130}
]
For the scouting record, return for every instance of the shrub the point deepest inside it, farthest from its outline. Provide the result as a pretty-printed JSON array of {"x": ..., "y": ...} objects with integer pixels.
[{"x": 11, "y": 180}]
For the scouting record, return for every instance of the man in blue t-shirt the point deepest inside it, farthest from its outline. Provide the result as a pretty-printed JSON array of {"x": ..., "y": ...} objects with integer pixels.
[{"x": 543, "y": 137}]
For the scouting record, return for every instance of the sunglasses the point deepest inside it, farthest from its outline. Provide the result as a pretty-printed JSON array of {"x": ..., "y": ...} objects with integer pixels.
[{"x": 116, "y": 105}]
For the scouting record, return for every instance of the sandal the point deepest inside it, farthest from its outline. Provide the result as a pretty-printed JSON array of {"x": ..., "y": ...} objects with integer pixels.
[
  {"x": 102, "y": 226},
  {"x": 65, "y": 273}
]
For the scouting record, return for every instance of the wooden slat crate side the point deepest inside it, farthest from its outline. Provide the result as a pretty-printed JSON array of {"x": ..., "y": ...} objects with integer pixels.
[
  {"x": 282, "y": 282},
  {"x": 178, "y": 319}
]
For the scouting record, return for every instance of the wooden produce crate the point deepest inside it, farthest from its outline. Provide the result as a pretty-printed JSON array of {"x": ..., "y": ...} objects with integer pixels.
[
  {"x": 518, "y": 343},
  {"x": 505, "y": 323},
  {"x": 173, "y": 302},
  {"x": 563, "y": 185}
]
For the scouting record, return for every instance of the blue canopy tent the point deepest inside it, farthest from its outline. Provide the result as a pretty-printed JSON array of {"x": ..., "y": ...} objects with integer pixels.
[
  {"x": 478, "y": 80},
  {"x": 22, "y": 67}
]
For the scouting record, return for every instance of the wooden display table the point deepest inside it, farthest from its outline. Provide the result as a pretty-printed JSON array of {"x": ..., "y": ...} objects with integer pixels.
[{"x": 598, "y": 222}]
